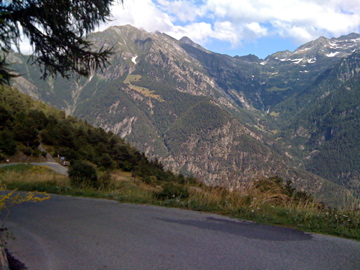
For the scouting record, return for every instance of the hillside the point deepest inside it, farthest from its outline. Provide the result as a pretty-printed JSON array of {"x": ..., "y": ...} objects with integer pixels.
[
  {"x": 223, "y": 119},
  {"x": 27, "y": 124}
]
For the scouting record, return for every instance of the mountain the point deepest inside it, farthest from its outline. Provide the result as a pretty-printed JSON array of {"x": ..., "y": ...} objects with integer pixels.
[
  {"x": 221, "y": 118},
  {"x": 322, "y": 122}
]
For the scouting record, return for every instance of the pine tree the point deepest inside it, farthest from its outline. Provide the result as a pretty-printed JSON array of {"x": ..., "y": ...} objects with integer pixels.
[{"x": 56, "y": 30}]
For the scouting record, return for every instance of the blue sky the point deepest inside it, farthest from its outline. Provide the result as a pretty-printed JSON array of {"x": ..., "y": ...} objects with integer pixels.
[
  {"x": 260, "y": 47},
  {"x": 241, "y": 27}
]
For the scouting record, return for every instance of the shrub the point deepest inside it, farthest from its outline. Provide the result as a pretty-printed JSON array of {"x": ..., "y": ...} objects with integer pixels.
[
  {"x": 172, "y": 191},
  {"x": 191, "y": 180},
  {"x": 70, "y": 154},
  {"x": 7, "y": 143},
  {"x": 83, "y": 174},
  {"x": 36, "y": 152},
  {"x": 106, "y": 161},
  {"x": 27, "y": 151}
]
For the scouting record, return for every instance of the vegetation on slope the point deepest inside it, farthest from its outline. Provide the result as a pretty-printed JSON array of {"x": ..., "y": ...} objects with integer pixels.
[
  {"x": 24, "y": 127},
  {"x": 323, "y": 124}
]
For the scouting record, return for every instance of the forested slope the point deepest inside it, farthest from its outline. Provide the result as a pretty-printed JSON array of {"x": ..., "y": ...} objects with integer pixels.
[{"x": 25, "y": 123}]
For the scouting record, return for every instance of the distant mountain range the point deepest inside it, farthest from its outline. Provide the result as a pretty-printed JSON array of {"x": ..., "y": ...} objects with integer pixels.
[{"x": 226, "y": 120}]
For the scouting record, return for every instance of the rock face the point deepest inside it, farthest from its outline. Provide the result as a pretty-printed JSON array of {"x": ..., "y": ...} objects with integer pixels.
[{"x": 217, "y": 117}]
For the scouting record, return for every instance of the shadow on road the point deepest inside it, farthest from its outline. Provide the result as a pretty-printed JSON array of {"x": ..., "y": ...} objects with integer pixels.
[{"x": 245, "y": 229}]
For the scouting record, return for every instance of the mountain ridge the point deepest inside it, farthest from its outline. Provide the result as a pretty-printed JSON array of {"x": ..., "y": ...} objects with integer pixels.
[{"x": 198, "y": 112}]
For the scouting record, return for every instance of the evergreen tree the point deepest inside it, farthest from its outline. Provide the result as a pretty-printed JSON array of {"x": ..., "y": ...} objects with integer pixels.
[
  {"x": 56, "y": 30},
  {"x": 26, "y": 131},
  {"x": 7, "y": 142}
]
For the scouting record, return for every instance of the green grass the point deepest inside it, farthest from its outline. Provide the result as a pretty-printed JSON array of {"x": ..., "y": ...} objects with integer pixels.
[
  {"x": 132, "y": 78},
  {"x": 266, "y": 206},
  {"x": 16, "y": 168}
]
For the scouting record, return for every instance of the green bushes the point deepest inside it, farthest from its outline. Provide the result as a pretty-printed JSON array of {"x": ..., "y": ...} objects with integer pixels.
[
  {"x": 7, "y": 142},
  {"x": 83, "y": 174}
]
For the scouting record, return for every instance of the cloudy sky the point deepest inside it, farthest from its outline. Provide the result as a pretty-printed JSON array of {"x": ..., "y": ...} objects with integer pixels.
[{"x": 241, "y": 27}]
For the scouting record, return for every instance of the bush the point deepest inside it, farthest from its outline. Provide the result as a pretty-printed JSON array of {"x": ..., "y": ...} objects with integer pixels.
[
  {"x": 36, "y": 152},
  {"x": 106, "y": 161},
  {"x": 7, "y": 143},
  {"x": 191, "y": 180},
  {"x": 70, "y": 154},
  {"x": 150, "y": 180},
  {"x": 172, "y": 191},
  {"x": 27, "y": 151},
  {"x": 83, "y": 174}
]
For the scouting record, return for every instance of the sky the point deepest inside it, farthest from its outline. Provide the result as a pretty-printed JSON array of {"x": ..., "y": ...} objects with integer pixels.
[{"x": 241, "y": 27}]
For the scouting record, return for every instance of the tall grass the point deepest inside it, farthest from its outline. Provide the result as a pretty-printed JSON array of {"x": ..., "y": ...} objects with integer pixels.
[{"x": 32, "y": 178}]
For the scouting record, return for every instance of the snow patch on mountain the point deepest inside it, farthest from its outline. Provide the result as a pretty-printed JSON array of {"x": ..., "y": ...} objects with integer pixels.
[
  {"x": 334, "y": 46},
  {"x": 332, "y": 54},
  {"x": 312, "y": 61},
  {"x": 296, "y": 61},
  {"x": 134, "y": 59}
]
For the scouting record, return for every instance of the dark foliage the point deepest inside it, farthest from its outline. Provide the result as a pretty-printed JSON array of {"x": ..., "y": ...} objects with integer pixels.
[
  {"x": 7, "y": 142},
  {"x": 57, "y": 31},
  {"x": 82, "y": 174}
]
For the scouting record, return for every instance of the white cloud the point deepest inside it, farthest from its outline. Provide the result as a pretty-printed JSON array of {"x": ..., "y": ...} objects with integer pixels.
[
  {"x": 140, "y": 13},
  {"x": 237, "y": 21},
  {"x": 308, "y": 19},
  {"x": 203, "y": 32},
  {"x": 185, "y": 11},
  {"x": 257, "y": 29}
]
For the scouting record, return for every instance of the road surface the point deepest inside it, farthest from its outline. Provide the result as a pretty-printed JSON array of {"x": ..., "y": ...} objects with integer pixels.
[{"x": 78, "y": 233}]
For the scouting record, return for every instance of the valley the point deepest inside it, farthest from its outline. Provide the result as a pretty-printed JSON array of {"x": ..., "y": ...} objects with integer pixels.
[{"x": 225, "y": 120}]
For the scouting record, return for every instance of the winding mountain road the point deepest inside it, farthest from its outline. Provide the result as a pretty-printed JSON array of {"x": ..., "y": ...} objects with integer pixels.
[{"x": 78, "y": 233}]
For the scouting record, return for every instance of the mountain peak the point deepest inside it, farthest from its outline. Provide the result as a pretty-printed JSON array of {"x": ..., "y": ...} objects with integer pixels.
[
  {"x": 351, "y": 36},
  {"x": 249, "y": 58},
  {"x": 314, "y": 45},
  {"x": 186, "y": 40}
]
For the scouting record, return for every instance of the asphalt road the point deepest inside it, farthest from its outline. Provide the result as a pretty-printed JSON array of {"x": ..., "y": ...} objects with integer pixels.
[{"x": 78, "y": 233}]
